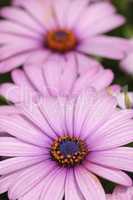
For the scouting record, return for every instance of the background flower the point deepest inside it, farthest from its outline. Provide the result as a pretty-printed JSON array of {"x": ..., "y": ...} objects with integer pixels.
[
  {"x": 55, "y": 79},
  {"x": 46, "y": 27}
]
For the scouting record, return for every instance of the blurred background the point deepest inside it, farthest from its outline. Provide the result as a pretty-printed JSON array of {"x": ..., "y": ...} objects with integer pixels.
[{"x": 125, "y": 7}]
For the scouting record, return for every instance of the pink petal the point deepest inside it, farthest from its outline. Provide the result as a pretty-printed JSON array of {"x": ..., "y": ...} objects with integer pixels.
[
  {"x": 20, "y": 78},
  {"x": 71, "y": 189},
  {"x": 84, "y": 82},
  {"x": 20, "y": 128},
  {"x": 35, "y": 116},
  {"x": 29, "y": 178},
  {"x": 8, "y": 110},
  {"x": 102, "y": 79},
  {"x": 35, "y": 75},
  {"x": 7, "y": 180},
  {"x": 36, "y": 9},
  {"x": 122, "y": 193},
  {"x": 114, "y": 133},
  {"x": 56, "y": 74},
  {"x": 95, "y": 14},
  {"x": 83, "y": 105},
  {"x": 12, "y": 62},
  {"x": 60, "y": 8},
  {"x": 17, "y": 94},
  {"x": 21, "y": 17},
  {"x": 98, "y": 115},
  {"x": 53, "y": 112},
  {"x": 85, "y": 63},
  {"x": 111, "y": 174},
  {"x": 73, "y": 17},
  {"x": 14, "y": 28},
  {"x": 119, "y": 158},
  {"x": 69, "y": 116},
  {"x": 106, "y": 46},
  {"x": 127, "y": 63},
  {"x": 89, "y": 185},
  {"x": 12, "y": 147},
  {"x": 35, "y": 192},
  {"x": 52, "y": 75},
  {"x": 22, "y": 47},
  {"x": 38, "y": 57},
  {"x": 55, "y": 185},
  {"x": 105, "y": 25},
  {"x": 13, "y": 164}
]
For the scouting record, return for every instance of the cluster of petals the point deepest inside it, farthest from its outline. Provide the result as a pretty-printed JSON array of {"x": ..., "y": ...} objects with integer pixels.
[
  {"x": 64, "y": 78},
  {"x": 26, "y": 24}
]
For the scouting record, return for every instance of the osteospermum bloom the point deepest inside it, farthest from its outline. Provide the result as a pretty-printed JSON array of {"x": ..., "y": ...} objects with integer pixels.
[
  {"x": 127, "y": 62},
  {"x": 53, "y": 27},
  {"x": 55, "y": 79},
  {"x": 121, "y": 193},
  {"x": 56, "y": 146}
]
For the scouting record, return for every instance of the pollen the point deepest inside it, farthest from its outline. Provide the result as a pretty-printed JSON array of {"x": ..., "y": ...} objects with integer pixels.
[
  {"x": 68, "y": 151},
  {"x": 61, "y": 41}
]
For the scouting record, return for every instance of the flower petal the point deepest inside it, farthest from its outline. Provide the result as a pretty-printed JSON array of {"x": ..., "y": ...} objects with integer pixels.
[
  {"x": 111, "y": 174},
  {"x": 12, "y": 147},
  {"x": 55, "y": 185},
  {"x": 89, "y": 185},
  {"x": 20, "y": 128},
  {"x": 119, "y": 158},
  {"x": 107, "y": 46},
  {"x": 71, "y": 189},
  {"x": 13, "y": 164},
  {"x": 29, "y": 179}
]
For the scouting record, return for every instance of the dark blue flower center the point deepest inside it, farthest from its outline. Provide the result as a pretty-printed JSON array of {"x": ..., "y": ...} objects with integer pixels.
[
  {"x": 68, "y": 151},
  {"x": 61, "y": 35},
  {"x": 69, "y": 148}
]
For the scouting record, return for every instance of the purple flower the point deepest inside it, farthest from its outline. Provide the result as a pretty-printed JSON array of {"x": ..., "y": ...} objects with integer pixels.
[
  {"x": 121, "y": 193},
  {"x": 58, "y": 27},
  {"x": 55, "y": 148},
  {"x": 55, "y": 79}
]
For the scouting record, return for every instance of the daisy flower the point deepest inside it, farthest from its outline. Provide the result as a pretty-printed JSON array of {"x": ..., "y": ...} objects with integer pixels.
[
  {"x": 55, "y": 148},
  {"x": 121, "y": 193},
  {"x": 55, "y": 79},
  {"x": 127, "y": 62},
  {"x": 53, "y": 27}
]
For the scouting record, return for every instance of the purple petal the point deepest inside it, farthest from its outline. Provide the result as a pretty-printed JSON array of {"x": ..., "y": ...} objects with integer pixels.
[
  {"x": 89, "y": 185},
  {"x": 111, "y": 174}
]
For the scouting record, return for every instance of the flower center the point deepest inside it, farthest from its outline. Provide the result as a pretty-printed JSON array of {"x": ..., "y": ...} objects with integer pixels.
[
  {"x": 61, "y": 41},
  {"x": 68, "y": 151}
]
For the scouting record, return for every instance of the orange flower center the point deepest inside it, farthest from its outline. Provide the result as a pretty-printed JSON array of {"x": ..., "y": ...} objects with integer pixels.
[{"x": 61, "y": 41}]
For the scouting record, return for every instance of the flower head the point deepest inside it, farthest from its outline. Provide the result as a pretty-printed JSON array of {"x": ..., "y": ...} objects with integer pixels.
[
  {"x": 56, "y": 147},
  {"x": 55, "y": 79},
  {"x": 31, "y": 28}
]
